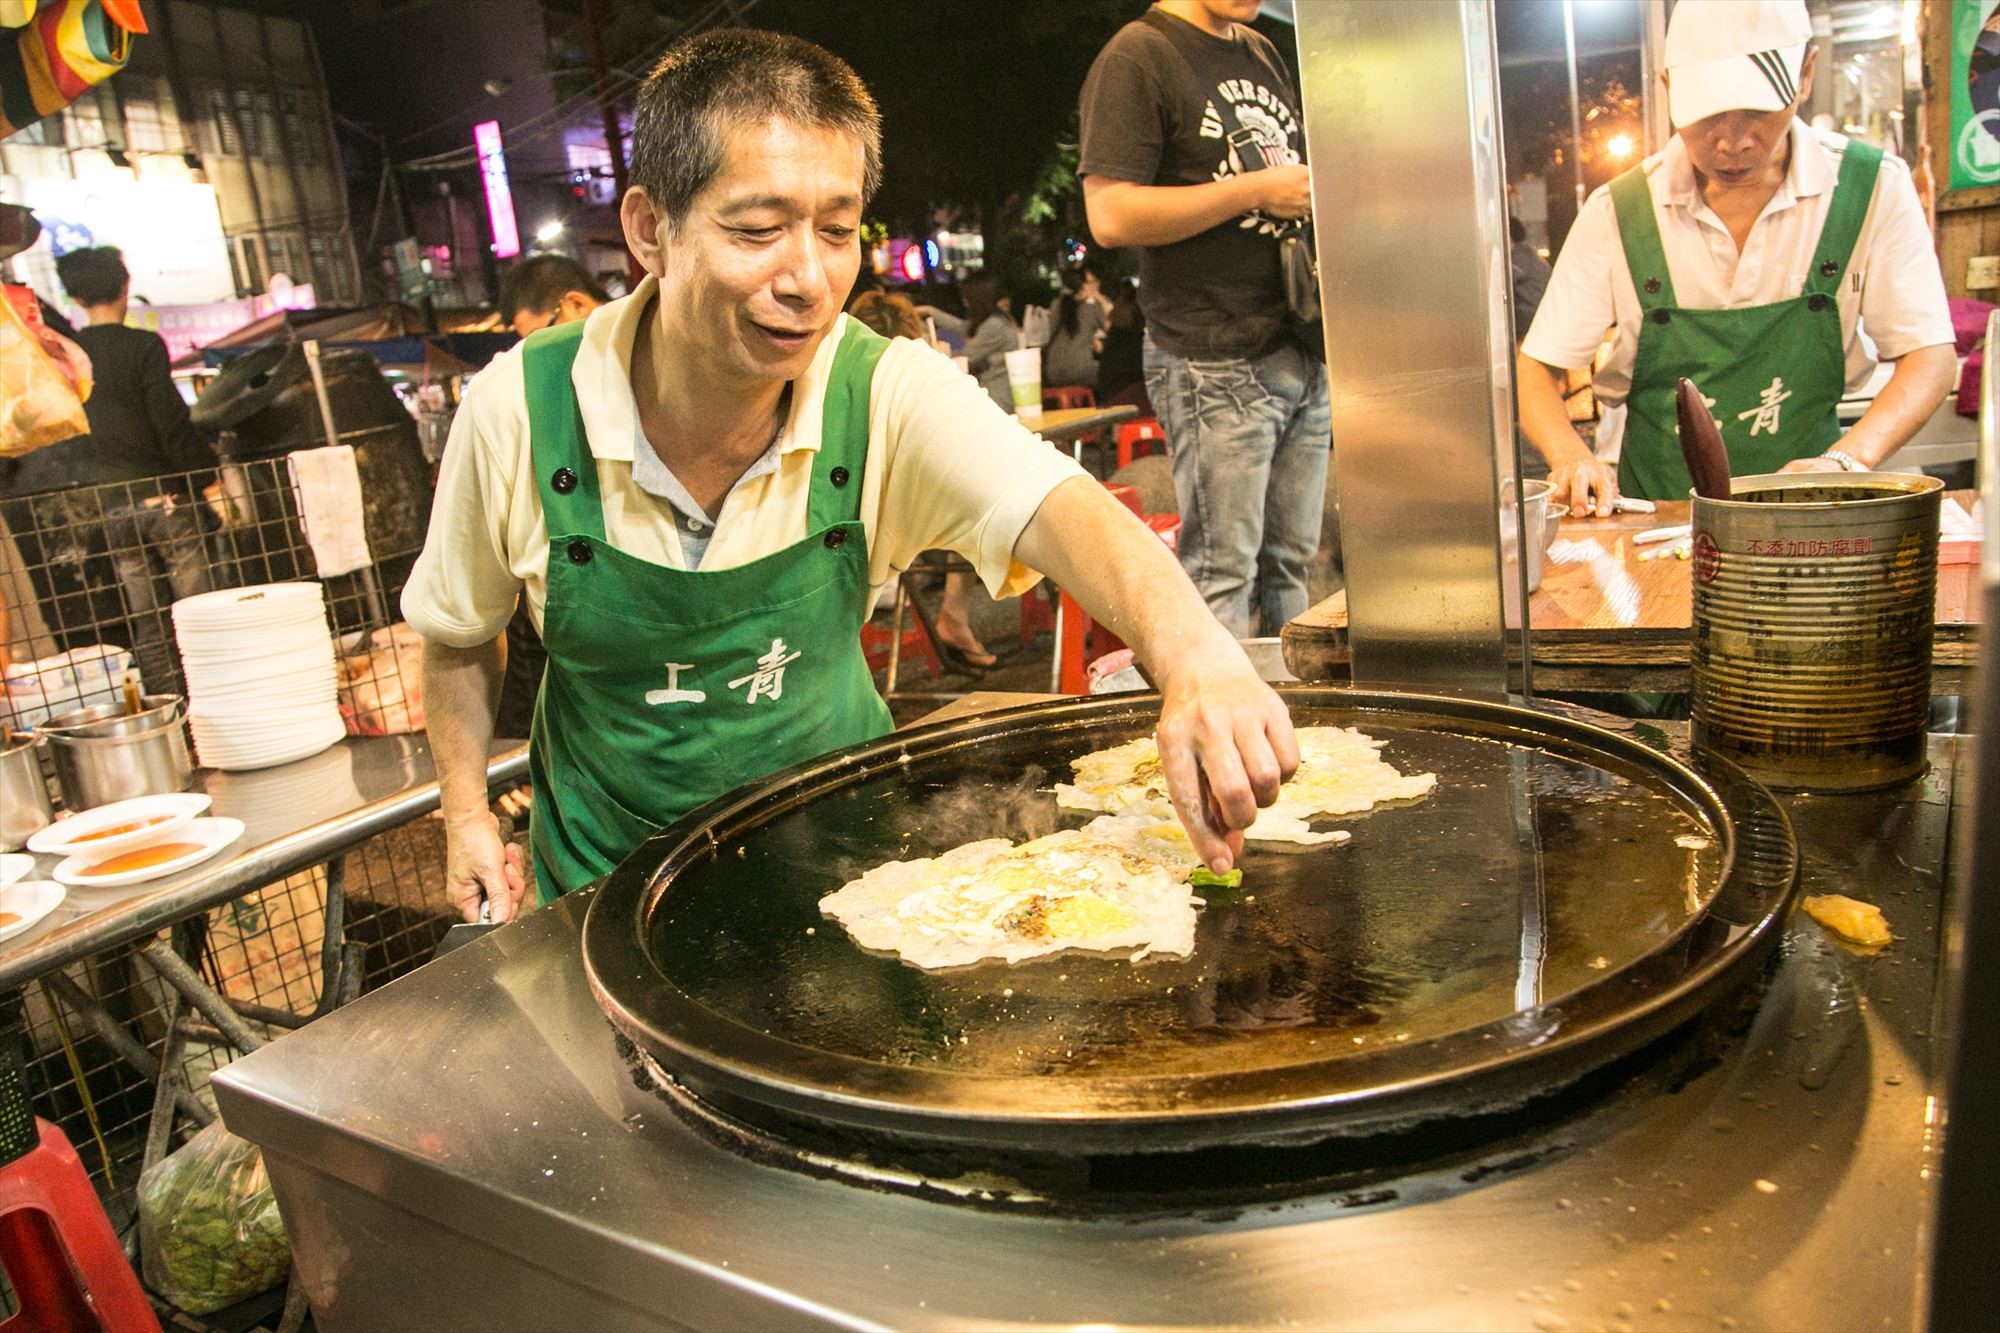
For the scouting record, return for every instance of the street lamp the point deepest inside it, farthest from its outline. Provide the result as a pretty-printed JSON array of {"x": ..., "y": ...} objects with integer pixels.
[
  {"x": 549, "y": 232},
  {"x": 1619, "y": 146}
]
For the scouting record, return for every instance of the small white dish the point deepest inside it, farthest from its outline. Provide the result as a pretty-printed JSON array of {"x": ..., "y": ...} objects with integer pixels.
[
  {"x": 27, "y": 902},
  {"x": 15, "y": 866},
  {"x": 209, "y": 836},
  {"x": 71, "y": 836}
]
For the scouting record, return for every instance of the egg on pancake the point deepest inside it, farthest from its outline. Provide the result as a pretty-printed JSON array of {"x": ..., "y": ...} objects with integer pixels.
[
  {"x": 1341, "y": 772},
  {"x": 1119, "y": 883}
]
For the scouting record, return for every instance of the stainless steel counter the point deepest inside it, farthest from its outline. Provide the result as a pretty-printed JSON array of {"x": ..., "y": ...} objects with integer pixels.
[
  {"x": 466, "y": 1148},
  {"x": 294, "y": 815}
]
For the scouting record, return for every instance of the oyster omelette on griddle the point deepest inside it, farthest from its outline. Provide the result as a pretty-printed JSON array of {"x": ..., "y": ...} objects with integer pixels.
[
  {"x": 1124, "y": 882},
  {"x": 1341, "y": 772}
]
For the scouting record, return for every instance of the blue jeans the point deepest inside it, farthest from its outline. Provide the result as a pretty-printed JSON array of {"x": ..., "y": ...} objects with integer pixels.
[{"x": 1249, "y": 441}]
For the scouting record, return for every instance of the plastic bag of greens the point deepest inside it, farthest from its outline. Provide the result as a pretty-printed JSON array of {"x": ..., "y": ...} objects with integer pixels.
[{"x": 209, "y": 1232}]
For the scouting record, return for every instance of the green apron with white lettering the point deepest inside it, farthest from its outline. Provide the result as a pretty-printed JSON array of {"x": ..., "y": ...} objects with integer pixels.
[
  {"x": 1773, "y": 374},
  {"x": 667, "y": 687}
]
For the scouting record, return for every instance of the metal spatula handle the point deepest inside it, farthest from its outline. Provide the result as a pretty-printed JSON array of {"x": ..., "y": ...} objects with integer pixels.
[{"x": 1701, "y": 443}]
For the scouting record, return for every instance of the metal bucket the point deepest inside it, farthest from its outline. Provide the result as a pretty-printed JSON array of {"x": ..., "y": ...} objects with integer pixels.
[
  {"x": 104, "y": 754},
  {"x": 1814, "y": 605},
  {"x": 1526, "y": 529},
  {"x": 24, "y": 794}
]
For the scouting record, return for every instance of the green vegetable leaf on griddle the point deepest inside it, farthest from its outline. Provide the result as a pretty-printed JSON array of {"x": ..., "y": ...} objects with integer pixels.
[{"x": 1217, "y": 890}]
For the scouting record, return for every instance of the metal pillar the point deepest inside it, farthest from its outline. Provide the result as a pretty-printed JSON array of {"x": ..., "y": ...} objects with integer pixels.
[
  {"x": 1575, "y": 101},
  {"x": 1652, "y": 56},
  {"x": 1965, "y": 1282},
  {"x": 1402, "y": 114}
]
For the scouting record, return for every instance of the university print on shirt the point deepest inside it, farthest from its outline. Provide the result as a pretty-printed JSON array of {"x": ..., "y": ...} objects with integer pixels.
[{"x": 1267, "y": 129}]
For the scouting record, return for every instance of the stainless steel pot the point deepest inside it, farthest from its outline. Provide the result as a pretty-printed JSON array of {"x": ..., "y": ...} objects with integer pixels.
[
  {"x": 113, "y": 720},
  {"x": 105, "y": 754},
  {"x": 1541, "y": 525},
  {"x": 1525, "y": 539},
  {"x": 24, "y": 794}
]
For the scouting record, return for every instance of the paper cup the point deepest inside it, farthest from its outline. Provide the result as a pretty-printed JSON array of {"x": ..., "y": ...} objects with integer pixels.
[{"x": 1024, "y": 376}]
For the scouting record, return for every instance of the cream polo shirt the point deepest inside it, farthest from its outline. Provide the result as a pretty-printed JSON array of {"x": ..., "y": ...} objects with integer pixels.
[
  {"x": 1893, "y": 291},
  {"x": 946, "y": 469}
]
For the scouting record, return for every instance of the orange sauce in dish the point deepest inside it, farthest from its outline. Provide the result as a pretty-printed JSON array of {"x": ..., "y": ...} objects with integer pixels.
[
  {"x": 143, "y": 858},
  {"x": 8, "y": 918},
  {"x": 115, "y": 830}
]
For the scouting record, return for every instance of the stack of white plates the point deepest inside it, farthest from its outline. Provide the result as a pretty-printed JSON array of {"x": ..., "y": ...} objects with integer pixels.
[{"x": 260, "y": 674}]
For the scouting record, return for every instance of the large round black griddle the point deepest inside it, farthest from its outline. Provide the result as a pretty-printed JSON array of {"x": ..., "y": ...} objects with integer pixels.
[{"x": 1566, "y": 894}]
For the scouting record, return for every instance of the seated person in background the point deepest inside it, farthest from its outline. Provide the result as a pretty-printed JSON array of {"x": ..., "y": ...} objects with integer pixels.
[
  {"x": 1071, "y": 356},
  {"x": 888, "y": 313},
  {"x": 1121, "y": 364},
  {"x": 989, "y": 332},
  {"x": 891, "y": 315},
  {"x": 545, "y": 290}
]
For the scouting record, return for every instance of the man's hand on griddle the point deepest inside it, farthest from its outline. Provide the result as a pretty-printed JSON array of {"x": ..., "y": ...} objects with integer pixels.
[{"x": 1226, "y": 744}]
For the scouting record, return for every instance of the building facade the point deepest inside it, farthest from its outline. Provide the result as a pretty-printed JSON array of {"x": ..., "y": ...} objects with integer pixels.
[{"x": 210, "y": 160}]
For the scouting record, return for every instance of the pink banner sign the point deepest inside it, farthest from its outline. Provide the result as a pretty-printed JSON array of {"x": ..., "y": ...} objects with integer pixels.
[{"x": 499, "y": 197}]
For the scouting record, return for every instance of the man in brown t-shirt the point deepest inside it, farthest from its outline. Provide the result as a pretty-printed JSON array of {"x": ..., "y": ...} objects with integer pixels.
[{"x": 1193, "y": 151}]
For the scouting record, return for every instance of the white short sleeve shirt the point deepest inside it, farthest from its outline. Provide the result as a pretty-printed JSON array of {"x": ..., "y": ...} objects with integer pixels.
[
  {"x": 1892, "y": 299},
  {"x": 946, "y": 469}
]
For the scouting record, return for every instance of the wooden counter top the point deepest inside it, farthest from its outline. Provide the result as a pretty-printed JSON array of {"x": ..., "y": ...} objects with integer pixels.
[{"x": 1605, "y": 620}]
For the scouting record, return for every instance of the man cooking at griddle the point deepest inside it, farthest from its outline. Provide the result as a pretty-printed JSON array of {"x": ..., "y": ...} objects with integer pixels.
[
  {"x": 1750, "y": 256},
  {"x": 700, "y": 487}
]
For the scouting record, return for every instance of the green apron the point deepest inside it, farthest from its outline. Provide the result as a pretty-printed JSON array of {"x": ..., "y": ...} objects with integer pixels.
[
  {"x": 1773, "y": 374},
  {"x": 667, "y": 687}
]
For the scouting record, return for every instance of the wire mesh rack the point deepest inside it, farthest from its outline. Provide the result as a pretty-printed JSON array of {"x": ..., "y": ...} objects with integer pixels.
[{"x": 88, "y": 576}]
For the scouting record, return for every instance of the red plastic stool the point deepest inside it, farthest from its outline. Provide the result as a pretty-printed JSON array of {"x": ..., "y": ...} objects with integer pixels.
[
  {"x": 1069, "y": 396},
  {"x": 61, "y": 1255},
  {"x": 1145, "y": 431},
  {"x": 1083, "y": 639},
  {"x": 875, "y": 641},
  {"x": 1038, "y": 612}
]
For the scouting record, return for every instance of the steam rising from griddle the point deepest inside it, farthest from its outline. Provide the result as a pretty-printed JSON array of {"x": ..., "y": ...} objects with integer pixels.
[{"x": 968, "y": 811}]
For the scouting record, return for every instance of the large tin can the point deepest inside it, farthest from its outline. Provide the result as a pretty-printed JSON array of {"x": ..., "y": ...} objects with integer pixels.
[{"x": 1815, "y": 599}]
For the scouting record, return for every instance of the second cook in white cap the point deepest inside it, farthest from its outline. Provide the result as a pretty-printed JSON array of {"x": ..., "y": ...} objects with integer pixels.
[
  {"x": 1749, "y": 56},
  {"x": 1750, "y": 255}
]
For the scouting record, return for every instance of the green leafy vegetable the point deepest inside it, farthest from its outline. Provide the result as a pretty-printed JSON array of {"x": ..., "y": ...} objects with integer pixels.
[
  {"x": 208, "y": 1223},
  {"x": 1204, "y": 878}
]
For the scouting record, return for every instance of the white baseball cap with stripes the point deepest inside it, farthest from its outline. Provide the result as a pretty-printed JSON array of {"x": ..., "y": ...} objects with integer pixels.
[{"x": 1734, "y": 55}]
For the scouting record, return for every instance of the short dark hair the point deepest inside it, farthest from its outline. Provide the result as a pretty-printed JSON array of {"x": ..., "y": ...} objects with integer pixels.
[
  {"x": 539, "y": 285},
  {"x": 96, "y": 276},
  {"x": 735, "y": 76}
]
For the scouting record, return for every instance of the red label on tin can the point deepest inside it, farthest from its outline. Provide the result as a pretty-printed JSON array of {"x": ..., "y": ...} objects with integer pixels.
[{"x": 1707, "y": 559}]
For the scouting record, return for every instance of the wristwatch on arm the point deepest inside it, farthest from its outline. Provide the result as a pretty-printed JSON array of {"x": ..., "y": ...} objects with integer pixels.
[{"x": 1848, "y": 462}]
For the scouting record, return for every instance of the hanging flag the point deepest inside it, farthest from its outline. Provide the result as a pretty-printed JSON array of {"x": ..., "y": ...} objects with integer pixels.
[{"x": 61, "y": 50}]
